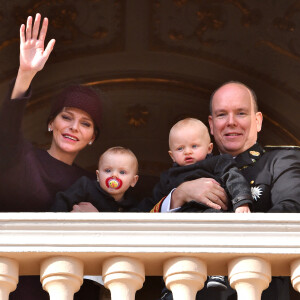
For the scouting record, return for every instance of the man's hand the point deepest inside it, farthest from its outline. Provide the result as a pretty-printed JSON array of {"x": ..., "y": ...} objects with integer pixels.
[
  {"x": 243, "y": 209},
  {"x": 84, "y": 207},
  {"x": 203, "y": 190}
]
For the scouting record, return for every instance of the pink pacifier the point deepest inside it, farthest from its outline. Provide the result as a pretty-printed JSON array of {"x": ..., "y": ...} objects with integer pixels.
[{"x": 113, "y": 182}]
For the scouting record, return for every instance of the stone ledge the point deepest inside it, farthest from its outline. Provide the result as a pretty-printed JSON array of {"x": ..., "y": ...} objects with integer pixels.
[{"x": 152, "y": 238}]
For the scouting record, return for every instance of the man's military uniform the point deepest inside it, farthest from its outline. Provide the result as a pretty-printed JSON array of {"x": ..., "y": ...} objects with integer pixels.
[
  {"x": 274, "y": 176},
  {"x": 273, "y": 173}
]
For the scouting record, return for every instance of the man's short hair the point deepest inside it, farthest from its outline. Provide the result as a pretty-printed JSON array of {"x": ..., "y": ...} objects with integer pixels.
[{"x": 252, "y": 93}]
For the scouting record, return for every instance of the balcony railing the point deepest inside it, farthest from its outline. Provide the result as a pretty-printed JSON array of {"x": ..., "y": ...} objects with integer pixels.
[{"x": 123, "y": 248}]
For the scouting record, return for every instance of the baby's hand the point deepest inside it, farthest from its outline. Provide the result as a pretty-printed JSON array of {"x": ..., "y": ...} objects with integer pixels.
[
  {"x": 84, "y": 207},
  {"x": 243, "y": 209}
]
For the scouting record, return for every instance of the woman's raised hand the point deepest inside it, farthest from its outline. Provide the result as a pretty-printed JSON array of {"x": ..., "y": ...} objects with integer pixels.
[{"x": 33, "y": 55}]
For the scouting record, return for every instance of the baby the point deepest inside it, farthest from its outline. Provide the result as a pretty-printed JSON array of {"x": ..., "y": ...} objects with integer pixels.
[
  {"x": 190, "y": 149},
  {"x": 117, "y": 172}
]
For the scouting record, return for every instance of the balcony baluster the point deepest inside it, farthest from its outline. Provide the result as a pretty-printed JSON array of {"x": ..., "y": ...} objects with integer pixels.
[
  {"x": 123, "y": 276},
  {"x": 61, "y": 277},
  {"x": 249, "y": 276},
  {"x": 184, "y": 276},
  {"x": 9, "y": 276},
  {"x": 295, "y": 275}
]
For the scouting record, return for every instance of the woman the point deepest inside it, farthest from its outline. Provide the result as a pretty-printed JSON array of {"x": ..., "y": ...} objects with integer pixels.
[{"x": 30, "y": 177}]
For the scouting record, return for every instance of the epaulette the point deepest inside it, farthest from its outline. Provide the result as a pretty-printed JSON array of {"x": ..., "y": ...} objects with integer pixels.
[{"x": 283, "y": 147}]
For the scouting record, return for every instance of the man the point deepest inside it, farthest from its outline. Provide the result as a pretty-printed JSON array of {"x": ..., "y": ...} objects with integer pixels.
[{"x": 274, "y": 174}]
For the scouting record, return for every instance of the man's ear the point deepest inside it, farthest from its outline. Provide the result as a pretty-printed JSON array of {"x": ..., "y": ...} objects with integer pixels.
[
  {"x": 210, "y": 122},
  {"x": 171, "y": 155},
  {"x": 97, "y": 174},
  {"x": 259, "y": 119},
  {"x": 134, "y": 180},
  {"x": 210, "y": 147}
]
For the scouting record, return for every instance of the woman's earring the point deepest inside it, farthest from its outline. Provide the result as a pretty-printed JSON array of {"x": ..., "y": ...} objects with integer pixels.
[
  {"x": 49, "y": 129},
  {"x": 90, "y": 143}
]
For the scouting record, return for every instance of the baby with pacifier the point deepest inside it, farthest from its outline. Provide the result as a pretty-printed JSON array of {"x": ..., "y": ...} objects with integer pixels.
[{"x": 117, "y": 172}]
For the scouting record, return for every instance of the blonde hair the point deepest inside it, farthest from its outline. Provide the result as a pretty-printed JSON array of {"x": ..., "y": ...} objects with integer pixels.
[
  {"x": 187, "y": 122},
  {"x": 120, "y": 150}
]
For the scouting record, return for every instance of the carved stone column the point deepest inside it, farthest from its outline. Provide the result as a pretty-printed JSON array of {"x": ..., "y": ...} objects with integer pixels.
[
  {"x": 249, "y": 276},
  {"x": 123, "y": 276},
  {"x": 295, "y": 275},
  {"x": 9, "y": 276},
  {"x": 61, "y": 277},
  {"x": 184, "y": 276}
]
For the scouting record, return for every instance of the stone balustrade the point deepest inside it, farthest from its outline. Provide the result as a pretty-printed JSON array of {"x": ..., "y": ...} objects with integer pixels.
[{"x": 124, "y": 248}]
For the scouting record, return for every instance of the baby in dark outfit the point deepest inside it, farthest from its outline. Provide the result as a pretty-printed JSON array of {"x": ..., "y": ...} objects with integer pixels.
[{"x": 117, "y": 172}]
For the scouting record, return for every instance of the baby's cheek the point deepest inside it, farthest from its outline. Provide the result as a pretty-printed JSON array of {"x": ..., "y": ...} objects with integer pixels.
[{"x": 102, "y": 184}]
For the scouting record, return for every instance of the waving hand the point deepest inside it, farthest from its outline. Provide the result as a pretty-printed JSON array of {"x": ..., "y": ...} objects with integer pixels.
[{"x": 33, "y": 54}]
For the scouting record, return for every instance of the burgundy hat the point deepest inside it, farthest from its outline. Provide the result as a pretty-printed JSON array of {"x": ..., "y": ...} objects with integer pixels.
[{"x": 78, "y": 96}]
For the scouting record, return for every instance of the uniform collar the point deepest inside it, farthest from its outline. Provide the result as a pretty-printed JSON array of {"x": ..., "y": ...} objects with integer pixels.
[{"x": 249, "y": 156}]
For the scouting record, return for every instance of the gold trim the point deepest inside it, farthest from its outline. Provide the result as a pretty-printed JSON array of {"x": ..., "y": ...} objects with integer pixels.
[
  {"x": 280, "y": 50},
  {"x": 282, "y": 146},
  {"x": 276, "y": 124},
  {"x": 254, "y": 153},
  {"x": 183, "y": 84},
  {"x": 8, "y": 42}
]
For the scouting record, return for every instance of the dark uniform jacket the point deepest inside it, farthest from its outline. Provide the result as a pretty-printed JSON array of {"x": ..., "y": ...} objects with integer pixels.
[
  {"x": 274, "y": 176},
  {"x": 222, "y": 168},
  {"x": 87, "y": 190}
]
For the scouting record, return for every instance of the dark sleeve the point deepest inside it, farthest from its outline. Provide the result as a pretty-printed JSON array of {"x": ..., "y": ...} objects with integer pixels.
[
  {"x": 236, "y": 184},
  {"x": 285, "y": 190},
  {"x": 64, "y": 201},
  {"x": 160, "y": 190},
  {"x": 11, "y": 117}
]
